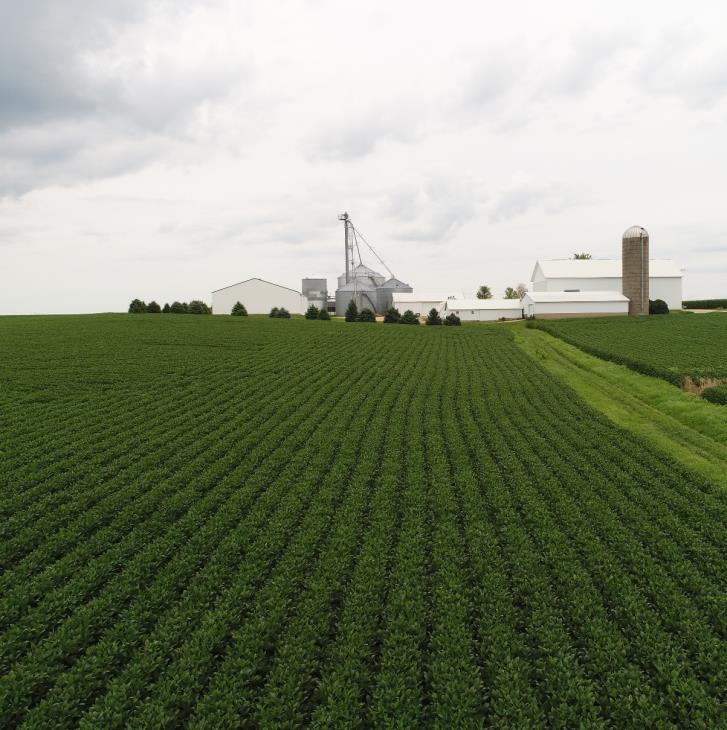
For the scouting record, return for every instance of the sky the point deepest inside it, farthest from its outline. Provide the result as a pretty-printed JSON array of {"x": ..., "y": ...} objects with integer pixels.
[{"x": 163, "y": 149}]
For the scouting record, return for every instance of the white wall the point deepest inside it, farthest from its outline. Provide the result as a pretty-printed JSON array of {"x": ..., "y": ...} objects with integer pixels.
[
  {"x": 259, "y": 297},
  {"x": 422, "y": 308},
  {"x": 485, "y": 315},
  {"x": 589, "y": 309},
  {"x": 668, "y": 289}
]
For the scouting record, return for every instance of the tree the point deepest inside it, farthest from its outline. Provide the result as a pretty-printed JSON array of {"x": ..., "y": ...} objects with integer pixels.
[
  {"x": 409, "y": 318},
  {"x": 351, "y": 312},
  {"x": 196, "y": 306},
  {"x": 433, "y": 317},
  {"x": 658, "y": 306},
  {"x": 283, "y": 313},
  {"x": 311, "y": 312},
  {"x": 511, "y": 293},
  {"x": 166, "y": 308},
  {"x": 484, "y": 292},
  {"x": 366, "y": 315},
  {"x": 274, "y": 312},
  {"x": 323, "y": 314},
  {"x": 137, "y": 307},
  {"x": 178, "y": 308},
  {"x": 238, "y": 310},
  {"x": 452, "y": 320},
  {"x": 521, "y": 290},
  {"x": 582, "y": 256},
  {"x": 153, "y": 308},
  {"x": 392, "y": 316}
]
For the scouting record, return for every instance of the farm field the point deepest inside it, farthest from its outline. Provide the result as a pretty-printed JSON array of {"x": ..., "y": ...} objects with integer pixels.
[
  {"x": 222, "y": 522},
  {"x": 674, "y": 347}
]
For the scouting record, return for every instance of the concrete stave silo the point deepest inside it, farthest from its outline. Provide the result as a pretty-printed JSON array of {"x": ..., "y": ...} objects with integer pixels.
[{"x": 635, "y": 269}]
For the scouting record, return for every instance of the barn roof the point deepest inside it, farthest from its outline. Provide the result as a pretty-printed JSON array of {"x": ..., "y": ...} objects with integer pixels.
[
  {"x": 484, "y": 304},
  {"x": 601, "y": 269},
  {"x": 256, "y": 278},
  {"x": 425, "y": 296},
  {"x": 575, "y": 296}
]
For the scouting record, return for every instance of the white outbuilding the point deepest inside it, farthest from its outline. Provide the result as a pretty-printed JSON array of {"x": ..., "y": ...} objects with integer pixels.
[
  {"x": 581, "y": 275},
  {"x": 483, "y": 310},
  {"x": 564, "y": 304},
  {"x": 259, "y": 297},
  {"x": 422, "y": 303}
]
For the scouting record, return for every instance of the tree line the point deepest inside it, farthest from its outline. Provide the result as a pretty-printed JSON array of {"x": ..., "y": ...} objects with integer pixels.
[{"x": 196, "y": 306}]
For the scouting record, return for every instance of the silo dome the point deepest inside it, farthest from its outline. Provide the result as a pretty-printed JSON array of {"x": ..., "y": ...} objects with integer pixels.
[{"x": 635, "y": 232}]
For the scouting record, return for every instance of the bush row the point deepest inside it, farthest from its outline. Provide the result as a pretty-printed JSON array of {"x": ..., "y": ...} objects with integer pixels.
[
  {"x": 705, "y": 304},
  {"x": 196, "y": 306}
]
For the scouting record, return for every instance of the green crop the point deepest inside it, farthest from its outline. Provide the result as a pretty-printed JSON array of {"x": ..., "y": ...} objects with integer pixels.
[{"x": 243, "y": 521}]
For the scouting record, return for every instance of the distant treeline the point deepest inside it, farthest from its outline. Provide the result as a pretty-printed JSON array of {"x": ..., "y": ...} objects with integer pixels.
[
  {"x": 196, "y": 306},
  {"x": 705, "y": 304}
]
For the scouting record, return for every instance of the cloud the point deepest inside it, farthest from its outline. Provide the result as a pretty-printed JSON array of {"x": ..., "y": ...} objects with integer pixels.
[{"x": 525, "y": 195}]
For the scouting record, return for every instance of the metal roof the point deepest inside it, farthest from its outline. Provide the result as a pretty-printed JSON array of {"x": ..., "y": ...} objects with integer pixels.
[
  {"x": 601, "y": 269},
  {"x": 575, "y": 296},
  {"x": 425, "y": 297},
  {"x": 484, "y": 304},
  {"x": 636, "y": 232},
  {"x": 394, "y": 284},
  {"x": 256, "y": 278}
]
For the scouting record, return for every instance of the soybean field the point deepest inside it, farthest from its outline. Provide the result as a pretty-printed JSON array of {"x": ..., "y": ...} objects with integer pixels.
[
  {"x": 215, "y": 522},
  {"x": 674, "y": 347}
]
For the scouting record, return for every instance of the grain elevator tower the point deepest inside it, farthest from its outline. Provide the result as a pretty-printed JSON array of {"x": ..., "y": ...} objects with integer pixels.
[{"x": 635, "y": 269}]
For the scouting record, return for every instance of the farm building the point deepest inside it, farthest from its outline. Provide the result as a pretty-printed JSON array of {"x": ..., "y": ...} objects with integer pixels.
[
  {"x": 562, "y": 304},
  {"x": 481, "y": 310},
  {"x": 591, "y": 275},
  {"x": 422, "y": 303},
  {"x": 259, "y": 297},
  {"x": 368, "y": 288}
]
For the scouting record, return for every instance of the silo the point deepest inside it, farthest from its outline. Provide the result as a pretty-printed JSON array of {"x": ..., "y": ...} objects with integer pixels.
[
  {"x": 363, "y": 293},
  {"x": 385, "y": 293},
  {"x": 316, "y": 292},
  {"x": 635, "y": 269}
]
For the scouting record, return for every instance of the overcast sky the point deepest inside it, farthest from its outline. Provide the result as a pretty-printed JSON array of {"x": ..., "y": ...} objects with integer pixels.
[{"x": 165, "y": 149}]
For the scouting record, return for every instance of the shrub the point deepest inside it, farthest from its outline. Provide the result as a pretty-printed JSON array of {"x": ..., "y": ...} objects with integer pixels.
[
  {"x": 452, "y": 320},
  {"x": 178, "y": 308},
  {"x": 366, "y": 315},
  {"x": 238, "y": 310},
  {"x": 274, "y": 312},
  {"x": 166, "y": 308},
  {"x": 323, "y": 314},
  {"x": 658, "y": 306},
  {"x": 409, "y": 318},
  {"x": 716, "y": 394},
  {"x": 433, "y": 317},
  {"x": 283, "y": 313},
  {"x": 137, "y": 307},
  {"x": 705, "y": 304},
  {"x": 153, "y": 308},
  {"x": 311, "y": 312},
  {"x": 392, "y": 316},
  {"x": 351, "y": 312},
  {"x": 197, "y": 306}
]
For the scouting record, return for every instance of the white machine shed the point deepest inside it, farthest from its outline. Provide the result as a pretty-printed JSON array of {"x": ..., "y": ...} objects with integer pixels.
[
  {"x": 483, "y": 310},
  {"x": 560, "y": 304},
  {"x": 422, "y": 303},
  {"x": 259, "y": 297}
]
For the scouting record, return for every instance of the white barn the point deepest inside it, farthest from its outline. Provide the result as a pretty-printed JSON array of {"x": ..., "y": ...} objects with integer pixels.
[
  {"x": 574, "y": 275},
  {"x": 484, "y": 310},
  {"x": 566, "y": 304},
  {"x": 259, "y": 297},
  {"x": 422, "y": 303}
]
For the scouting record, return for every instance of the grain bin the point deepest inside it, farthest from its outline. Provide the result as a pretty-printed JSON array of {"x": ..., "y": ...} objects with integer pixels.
[{"x": 635, "y": 269}]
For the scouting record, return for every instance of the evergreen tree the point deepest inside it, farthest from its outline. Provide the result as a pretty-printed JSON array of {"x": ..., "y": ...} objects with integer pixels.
[
  {"x": 658, "y": 306},
  {"x": 274, "y": 312},
  {"x": 153, "y": 308},
  {"x": 198, "y": 307},
  {"x": 323, "y": 314},
  {"x": 238, "y": 310},
  {"x": 433, "y": 317},
  {"x": 409, "y": 318},
  {"x": 392, "y": 316},
  {"x": 311, "y": 312},
  {"x": 166, "y": 308},
  {"x": 452, "y": 320},
  {"x": 352, "y": 312},
  {"x": 137, "y": 307},
  {"x": 366, "y": 315},
  {"x": 178, "y": 308},
  {"x": 283, "y": 313}
]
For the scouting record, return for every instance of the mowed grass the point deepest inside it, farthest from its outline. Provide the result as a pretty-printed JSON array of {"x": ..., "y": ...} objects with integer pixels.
[
  {"x": 675, "y": 347},
  {"x": 222, "y": 522}
]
